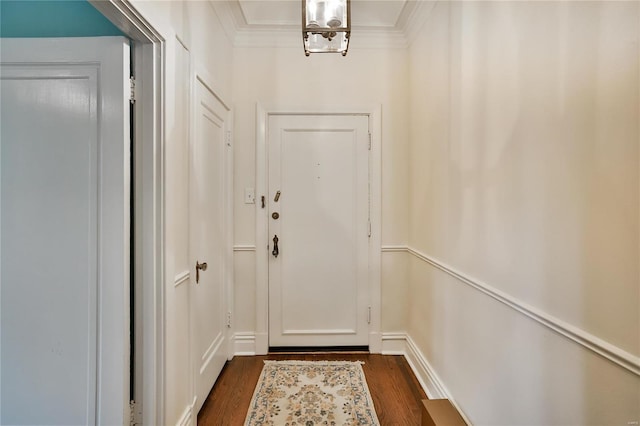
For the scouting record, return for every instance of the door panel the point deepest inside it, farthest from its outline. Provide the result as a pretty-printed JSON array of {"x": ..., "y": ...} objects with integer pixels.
[
  {"x": 318, "y": 283},
  {"x": 48, "y": 209},
  {"x": 64, "y": 179},
  {"x": 208, "y": 240}
]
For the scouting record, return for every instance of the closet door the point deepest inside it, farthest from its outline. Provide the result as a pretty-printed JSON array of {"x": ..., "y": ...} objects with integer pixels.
[
  {"x": 64, "y": 225},
  {"x": 209, "y": 241}
]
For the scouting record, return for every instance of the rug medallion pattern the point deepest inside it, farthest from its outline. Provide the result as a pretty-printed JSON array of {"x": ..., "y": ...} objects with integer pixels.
[{"x": 311, "y": 393}]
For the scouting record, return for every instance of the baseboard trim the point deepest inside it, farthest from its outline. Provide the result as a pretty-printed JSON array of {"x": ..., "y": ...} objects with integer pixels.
[
  {"x": 394, "y": 343},
  {"x": 187, "y": 415},
  {"x": 244, "y": 344},
  {"x": 605, "y": 349},
  {"x": 428, "y": 378},
  {"x": 400, "y": 343}
]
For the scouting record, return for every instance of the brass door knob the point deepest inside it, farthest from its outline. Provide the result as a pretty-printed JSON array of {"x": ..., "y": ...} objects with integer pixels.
[{"x": 200, "y": 267}]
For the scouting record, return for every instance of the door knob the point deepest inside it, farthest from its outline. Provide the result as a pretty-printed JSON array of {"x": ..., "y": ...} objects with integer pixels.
[
  {"x": 275, "y": 251},
  {"x": 200, "y": 267}
]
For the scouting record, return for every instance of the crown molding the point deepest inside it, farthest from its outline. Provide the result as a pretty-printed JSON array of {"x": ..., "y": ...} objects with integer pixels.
[
  {"x": 267, "y": 37},
  {"x": 360, "y": 38},
  {"x": 224, "y": 10},
  {"x": 410, "y": 21},
  {"x": 378, "y": 39}
]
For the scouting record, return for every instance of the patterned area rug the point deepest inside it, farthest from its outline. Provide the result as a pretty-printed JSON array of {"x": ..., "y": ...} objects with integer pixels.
[{"x": 311, "y": 393}]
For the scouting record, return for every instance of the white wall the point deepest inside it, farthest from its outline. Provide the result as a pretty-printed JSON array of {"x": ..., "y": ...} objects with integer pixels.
[
  {"x": 194, "y": 41},
  {"x": 524, "y": 177},
  {"x": 518, "y": 123},
  {"x": 285, "y": 77}
]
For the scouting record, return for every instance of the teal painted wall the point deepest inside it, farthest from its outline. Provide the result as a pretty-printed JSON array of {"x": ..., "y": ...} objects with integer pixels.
[{"x": 53, "y": 18}]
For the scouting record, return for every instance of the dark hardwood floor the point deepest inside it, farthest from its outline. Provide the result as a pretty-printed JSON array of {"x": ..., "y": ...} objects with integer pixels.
[{"x": 395, "y": 390}]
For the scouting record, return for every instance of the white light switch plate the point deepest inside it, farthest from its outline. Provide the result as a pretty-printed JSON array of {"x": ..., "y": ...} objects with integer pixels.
[{"x": 249, "y": 196}]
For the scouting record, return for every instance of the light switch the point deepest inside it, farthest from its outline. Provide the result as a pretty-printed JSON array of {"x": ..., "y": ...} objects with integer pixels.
[{"x": 249, "y": 196}]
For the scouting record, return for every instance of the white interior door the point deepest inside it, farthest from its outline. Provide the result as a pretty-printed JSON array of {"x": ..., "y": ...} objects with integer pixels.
[
  {"x": 319, "y": 211},
  {"x": 208, "y": 229},
  {"x": 64, "y": 214}
]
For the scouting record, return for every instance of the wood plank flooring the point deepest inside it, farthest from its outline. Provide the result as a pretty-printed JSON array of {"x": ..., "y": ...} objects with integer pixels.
[{"x": 395, "y": 390}]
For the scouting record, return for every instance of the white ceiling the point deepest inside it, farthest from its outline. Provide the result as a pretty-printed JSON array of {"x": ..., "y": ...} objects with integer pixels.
[
  {"x": 375, "y": 23},
  {"x": 379, "y": 13}
]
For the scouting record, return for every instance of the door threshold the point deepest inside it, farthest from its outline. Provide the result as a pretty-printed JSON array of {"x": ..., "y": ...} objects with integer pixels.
[{"x": 317, "y": 349}]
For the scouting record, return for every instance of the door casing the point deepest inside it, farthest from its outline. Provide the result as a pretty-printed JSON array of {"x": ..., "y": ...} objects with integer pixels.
[
  {"x": 148, "y": 67},
  {"x": 262, "y": 219}
]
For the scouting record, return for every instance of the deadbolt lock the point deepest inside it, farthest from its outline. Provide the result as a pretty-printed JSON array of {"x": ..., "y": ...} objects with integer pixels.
[{"x": 275, "y": 215}]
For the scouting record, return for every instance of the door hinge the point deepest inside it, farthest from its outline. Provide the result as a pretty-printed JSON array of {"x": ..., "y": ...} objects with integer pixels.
[
  {"x": 228, "y": 137},
  {"x": 369, "y": 228},
  {"x": 229, "y": 319},
  {"x": 369, "y": 315},
  {"x": 369, "y": 141},
  {"x": 133, "y": 413},
  {"x": 132, "y": 94}
]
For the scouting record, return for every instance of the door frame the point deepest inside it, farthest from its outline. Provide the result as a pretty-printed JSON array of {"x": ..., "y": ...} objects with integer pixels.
[
  {"x": 149, "y": 69},
  {"x": 374, "y": 112}
]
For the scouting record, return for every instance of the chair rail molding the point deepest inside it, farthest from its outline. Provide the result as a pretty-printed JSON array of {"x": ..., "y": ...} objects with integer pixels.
[
  {"x": 605, "y": 349},
  {"x": 181, "y": 278},
  {"x": 392, "y": 248}
]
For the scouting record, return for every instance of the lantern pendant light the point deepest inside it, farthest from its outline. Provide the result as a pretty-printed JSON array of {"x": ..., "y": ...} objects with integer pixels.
[{"x": 326, "y": 26}]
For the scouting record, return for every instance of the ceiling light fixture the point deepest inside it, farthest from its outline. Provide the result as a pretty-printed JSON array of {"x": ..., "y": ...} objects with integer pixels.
[{"x": 326, "y": 26}]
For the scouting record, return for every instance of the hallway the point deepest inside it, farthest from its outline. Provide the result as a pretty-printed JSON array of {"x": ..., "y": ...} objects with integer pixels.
[
  {"x": 394, "y": 388},
  {"x": 498, "y": 208}
]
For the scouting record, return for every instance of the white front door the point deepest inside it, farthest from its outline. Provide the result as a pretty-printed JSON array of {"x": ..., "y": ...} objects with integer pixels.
[
  {"x": 319, "y": 212},
  {"x": 208, "y": 236},
  {"x": 64, "y": 214}
]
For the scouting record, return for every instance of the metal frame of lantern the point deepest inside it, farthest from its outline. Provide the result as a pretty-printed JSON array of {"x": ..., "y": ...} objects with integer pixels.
[{"x": 326, "y": 38}]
